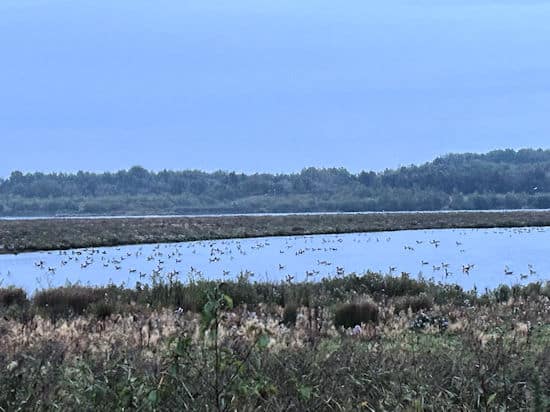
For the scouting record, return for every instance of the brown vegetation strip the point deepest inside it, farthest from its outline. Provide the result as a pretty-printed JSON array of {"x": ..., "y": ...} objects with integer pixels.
[{"x": 52, "y": 234}]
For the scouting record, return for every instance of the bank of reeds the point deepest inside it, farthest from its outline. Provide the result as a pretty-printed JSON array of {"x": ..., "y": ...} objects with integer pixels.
[
  {"x": 18, "y": 236},
  {"x": 366, "y": 342}
]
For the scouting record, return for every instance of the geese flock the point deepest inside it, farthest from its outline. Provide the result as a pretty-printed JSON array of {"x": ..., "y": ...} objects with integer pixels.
[{"x": 464, "y": 256}]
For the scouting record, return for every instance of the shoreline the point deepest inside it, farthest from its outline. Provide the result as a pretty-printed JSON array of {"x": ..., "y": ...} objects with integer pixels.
[
  {"x": 46, "y": 234},
  {"x": 186, "y": 215}
]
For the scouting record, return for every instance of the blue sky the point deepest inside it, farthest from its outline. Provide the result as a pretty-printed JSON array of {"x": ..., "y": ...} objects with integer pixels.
[{"x": 268, "y": 85}]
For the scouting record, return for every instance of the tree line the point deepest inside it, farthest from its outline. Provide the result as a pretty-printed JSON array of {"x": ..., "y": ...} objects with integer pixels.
[{"x": 501, "y": 179}]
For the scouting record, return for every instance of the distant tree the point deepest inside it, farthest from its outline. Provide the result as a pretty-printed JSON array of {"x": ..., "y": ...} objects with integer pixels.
[{"x": 498, "y": 179}]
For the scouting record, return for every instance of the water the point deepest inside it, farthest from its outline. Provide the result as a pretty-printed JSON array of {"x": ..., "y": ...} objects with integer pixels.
[
  {"x": 438, "y": 254},
  {"x": 269, "y": 214}
]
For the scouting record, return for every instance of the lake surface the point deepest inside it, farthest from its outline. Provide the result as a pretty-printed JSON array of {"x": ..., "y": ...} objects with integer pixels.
[{"x": 442, "y": 254}]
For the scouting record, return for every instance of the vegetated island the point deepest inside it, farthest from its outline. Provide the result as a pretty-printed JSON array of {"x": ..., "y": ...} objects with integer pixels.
[{"x": 26, "y": 235}]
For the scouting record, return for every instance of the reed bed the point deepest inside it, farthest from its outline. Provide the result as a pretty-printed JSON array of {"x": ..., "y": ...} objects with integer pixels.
[{"x": 364, "y": 342}]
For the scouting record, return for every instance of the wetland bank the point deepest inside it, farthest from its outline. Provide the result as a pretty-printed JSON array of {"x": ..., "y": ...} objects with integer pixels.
[
  {"x": 311, "y": 127},
  {"x": 337, "y": 342},
  {"x": 27, "y": 235}
]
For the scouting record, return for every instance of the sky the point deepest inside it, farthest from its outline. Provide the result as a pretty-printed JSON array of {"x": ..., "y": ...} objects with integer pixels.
[{"x": 268, "y": 86}]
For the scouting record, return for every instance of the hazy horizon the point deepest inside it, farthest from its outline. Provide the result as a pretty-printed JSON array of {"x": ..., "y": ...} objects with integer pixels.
[
  {"x": 268, "y": 87},
  {"x": 287, "y": 172}
]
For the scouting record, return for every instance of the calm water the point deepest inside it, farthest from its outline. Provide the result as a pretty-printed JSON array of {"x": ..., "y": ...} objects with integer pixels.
[
  {"x": 439, "y": 254},
  {"x": 269, "y": 214}
]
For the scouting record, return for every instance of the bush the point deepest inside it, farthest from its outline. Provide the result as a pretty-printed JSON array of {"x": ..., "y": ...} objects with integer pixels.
[
  {"x": 67, "y": 301},
  {"x": 503, "y": 293},
  {"x": 403, "y": 285},
  {"x": 532, "y": 290},
  {"x": 416, "y": 303},
  {"x": 351, "y": 314},
  {"x": 290, "y": 314},
  {"x": 517, "y": 291},
  {"x": 12, "y": 296},
  {"x": 102, "y": 310}
]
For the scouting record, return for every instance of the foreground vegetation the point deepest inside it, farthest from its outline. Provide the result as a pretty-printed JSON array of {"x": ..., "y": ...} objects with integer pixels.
[
  {"x": 367, "y": 342},
  {"x": 502, "y": 179},
  {"x": 53, "y": 234}
]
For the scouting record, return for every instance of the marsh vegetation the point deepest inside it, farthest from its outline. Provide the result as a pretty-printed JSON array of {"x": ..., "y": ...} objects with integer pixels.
[
  {"x": 53, "y": 234},
  {"x": 367, "y": 342}
]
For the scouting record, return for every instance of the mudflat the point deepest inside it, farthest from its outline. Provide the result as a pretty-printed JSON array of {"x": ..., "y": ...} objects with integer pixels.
[{"x": 27, "y": 235}]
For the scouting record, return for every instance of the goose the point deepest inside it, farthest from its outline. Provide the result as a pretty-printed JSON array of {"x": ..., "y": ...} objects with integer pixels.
[{"x": 466, "y": 268}]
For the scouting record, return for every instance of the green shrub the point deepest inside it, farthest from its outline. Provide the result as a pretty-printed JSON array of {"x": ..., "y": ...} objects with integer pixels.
[
  {"x": 403, "y": 285},
  {"x": 532, "y": 290},
  {"x": 416, "y": 303},
  {"x": 12, "y": 296},
  {"x": 517, "y": 291},
  {"x": 67, "y": 301},
  {"x": 290, "y": 314},
  {"x": 351, "y": 314},
  {"x": 102, "y": 310},
  {"x": 503, "y": 293}
]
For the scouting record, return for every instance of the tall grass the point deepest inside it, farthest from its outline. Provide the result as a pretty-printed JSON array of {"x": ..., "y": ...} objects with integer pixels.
[{"x": 241, "y": 345}]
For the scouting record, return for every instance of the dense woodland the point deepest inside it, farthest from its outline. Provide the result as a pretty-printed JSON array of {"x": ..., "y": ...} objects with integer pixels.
[{"x": 503, "y": 179}]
